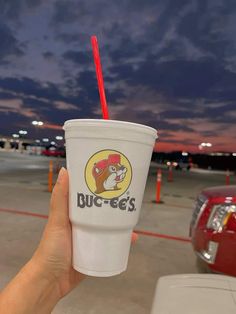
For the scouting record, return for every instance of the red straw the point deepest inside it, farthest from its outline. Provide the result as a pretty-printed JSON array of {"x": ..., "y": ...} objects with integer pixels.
[{"x": 98, "y": 68}]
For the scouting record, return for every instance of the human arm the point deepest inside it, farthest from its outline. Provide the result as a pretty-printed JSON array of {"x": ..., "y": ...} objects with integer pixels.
[{"x": 48, "y": 276}]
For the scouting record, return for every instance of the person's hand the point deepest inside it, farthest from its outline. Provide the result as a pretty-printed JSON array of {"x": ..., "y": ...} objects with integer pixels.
[
  {"x": 49, "y": 275},
  {"x": 54, "y": 254}
]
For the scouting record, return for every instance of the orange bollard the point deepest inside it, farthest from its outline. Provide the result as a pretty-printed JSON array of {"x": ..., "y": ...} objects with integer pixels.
[
  {"x": 227, "y": 177},
  {"x": 170, "y": 174},
  {"x": 50, "y": 176},
  {"x": 158, "y": 187},
  {"x": 134, "y": 237}
]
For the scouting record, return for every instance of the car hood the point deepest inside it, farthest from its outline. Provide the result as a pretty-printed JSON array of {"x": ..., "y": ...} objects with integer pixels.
[{"x": 220, "y": 191}]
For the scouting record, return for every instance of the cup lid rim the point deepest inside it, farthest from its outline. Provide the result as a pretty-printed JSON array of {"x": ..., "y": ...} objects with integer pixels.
[{"x": 93, "y": 122}]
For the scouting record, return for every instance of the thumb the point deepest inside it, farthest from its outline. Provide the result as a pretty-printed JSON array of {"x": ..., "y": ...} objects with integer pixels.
[{"x": 58, "y": 215}]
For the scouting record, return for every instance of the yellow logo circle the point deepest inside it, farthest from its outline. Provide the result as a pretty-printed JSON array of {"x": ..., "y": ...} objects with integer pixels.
[{"x": 108, "y": 174}]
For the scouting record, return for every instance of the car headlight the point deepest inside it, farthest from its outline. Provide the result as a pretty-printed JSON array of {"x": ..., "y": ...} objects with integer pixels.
[{"x": 219, "y": 216}]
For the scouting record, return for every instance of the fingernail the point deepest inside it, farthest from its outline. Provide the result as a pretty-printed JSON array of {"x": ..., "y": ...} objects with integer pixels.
[{"x": 61, "y": 173}]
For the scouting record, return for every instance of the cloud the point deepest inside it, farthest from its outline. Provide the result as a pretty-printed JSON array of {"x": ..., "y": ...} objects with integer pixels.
[
  {"x": 10, "y": 104},
  {"x": 168, "y": 126},
  {"x": 219, "y": 114},
  {"x": 78, "y": 57},
  {"x": 176, "y": 114},
  {"x": 211, "y": 28},
  {"x": 17, "y": 122},
  {"x": 209, "y": 133},
  {"x": 52, "y": 102},
  {"x": 10, "y": 9},
  {"x": 16, "y": 106},
  {"x": 9, "y": 44},
  {"x": 48, "y": 55},
  {"x": 167, "y": 64},
  {"x": 34, "y": 3},
  {"x": 61, "y": 105},
  {"x": 70, "y": 38},
  {"x": 65, "y": 11},
  {"x": 131, "y": 50},
  {"x": 180, "y": 79},
  {"x": 30, "y": 87}
]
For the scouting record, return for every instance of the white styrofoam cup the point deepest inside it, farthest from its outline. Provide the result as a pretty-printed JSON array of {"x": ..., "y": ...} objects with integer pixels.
[{"x": 108, "y": 163}]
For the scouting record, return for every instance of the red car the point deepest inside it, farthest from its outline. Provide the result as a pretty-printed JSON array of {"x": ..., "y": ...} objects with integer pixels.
[
  {"x": 213, "y": 229},
  {"x": 54, "y": 152}
]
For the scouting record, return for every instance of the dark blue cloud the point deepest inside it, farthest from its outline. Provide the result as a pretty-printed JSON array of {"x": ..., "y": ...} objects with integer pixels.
[
  {"x": 42, "y": 97},
  {"x": 71, "y": 38},
  {"x": 19, "y": 121},
  {"x": 65, "y": 11},
  {"x": 128, "y": 49},
  {"x": 9, "y": 44},
  {"x": 78, "y": 57},
  {"x": 10, "y": 9},
  {"x": 166, "y": 64},
  {"x": 33, "y": 3},
  {"x": 115, "y": 96},
  {"x": 206, "y": 25},
  {"x": 179, "y": 114},
  {"x": 48, "y": 55},
  {"x": 220, "y": 109},
  {"x": 162, "y": 124},
  {"x": 29, "y": 86},
  {"x": 6, "y": 95},
  {"x": 180, "y": 79}
]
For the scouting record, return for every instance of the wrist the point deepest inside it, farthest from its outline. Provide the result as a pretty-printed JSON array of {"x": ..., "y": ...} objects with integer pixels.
[
  {"x": 29, "y": 292},
  {"x": 47, "y": 284}
]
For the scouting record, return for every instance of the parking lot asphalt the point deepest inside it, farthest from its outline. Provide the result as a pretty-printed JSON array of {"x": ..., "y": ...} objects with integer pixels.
[{"x": 163, "y": 246}]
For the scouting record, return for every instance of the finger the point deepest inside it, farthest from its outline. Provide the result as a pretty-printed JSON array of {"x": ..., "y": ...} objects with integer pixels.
[
  {"x": 134, "y": 237},
  {"x": 58, "y": 214}
]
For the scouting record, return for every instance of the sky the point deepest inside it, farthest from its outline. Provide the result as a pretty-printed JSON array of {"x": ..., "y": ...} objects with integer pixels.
[{"x": 169, "y": 64}]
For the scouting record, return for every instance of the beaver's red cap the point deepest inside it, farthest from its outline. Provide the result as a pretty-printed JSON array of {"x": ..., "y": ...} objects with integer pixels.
[
  {"x": 113, "y": 159},
  {"x": 102, "y": 164}
]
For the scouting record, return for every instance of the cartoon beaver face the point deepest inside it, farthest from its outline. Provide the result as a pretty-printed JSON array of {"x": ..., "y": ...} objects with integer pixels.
[{"x": 108, "y": 173}]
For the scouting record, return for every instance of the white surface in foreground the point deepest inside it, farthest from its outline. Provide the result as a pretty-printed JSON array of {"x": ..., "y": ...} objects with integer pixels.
[{"x": 195, "y": 294}]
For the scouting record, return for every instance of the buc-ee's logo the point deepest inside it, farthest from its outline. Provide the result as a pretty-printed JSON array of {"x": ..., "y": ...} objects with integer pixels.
[{"x": 108, "y": 174}]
